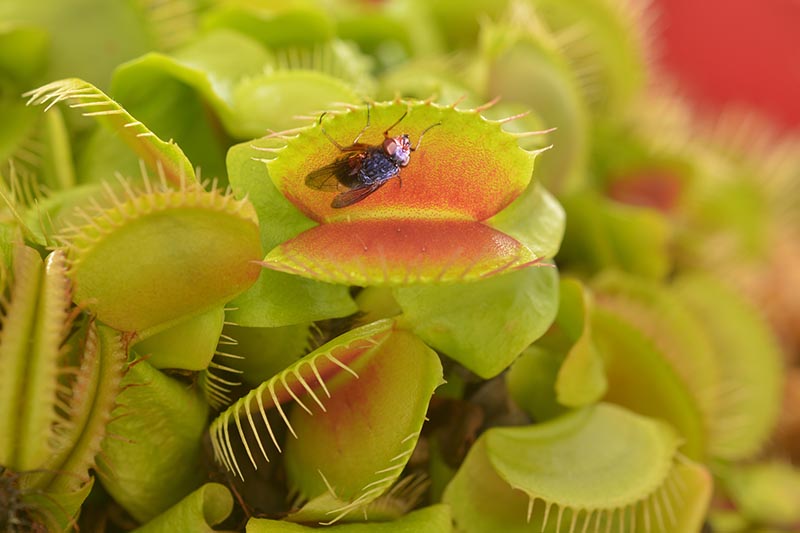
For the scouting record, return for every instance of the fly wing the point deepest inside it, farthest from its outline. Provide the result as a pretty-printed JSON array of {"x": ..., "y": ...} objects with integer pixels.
[
  {"x": 332, "y": 177},
  {"x": 354, "y": 195}
]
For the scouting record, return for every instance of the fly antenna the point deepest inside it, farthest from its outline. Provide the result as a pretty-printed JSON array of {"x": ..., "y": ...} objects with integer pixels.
[
  {"x": 398, "y": 121},
  {"x": 419, "y": 141}
]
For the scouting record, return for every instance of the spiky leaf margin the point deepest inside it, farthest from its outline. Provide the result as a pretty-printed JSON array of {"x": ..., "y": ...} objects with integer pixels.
[{"x": 165, "y": 158}]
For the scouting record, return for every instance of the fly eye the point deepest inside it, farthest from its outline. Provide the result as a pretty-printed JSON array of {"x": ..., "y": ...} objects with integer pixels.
[{"x": 390, "y": 146}]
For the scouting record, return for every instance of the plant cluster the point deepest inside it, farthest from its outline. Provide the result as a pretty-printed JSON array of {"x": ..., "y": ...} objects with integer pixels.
[{"x": 571, "y": 310}]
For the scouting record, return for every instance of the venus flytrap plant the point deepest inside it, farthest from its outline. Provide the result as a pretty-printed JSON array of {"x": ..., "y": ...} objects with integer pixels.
[
  {"x": 52, "y": 432},
  {"x": 162, "y": 157},
  {"x": 609, "y": 45},
  {"x": 751, "y": 370},
  {"x": 200, "y": 511},
  {"x": 299, "y": 80},
  {"x": 150, "y": 405},
  {"x": 687, "y": 350},
  {"x": 179, "y": 231},
  {"x": 433, "y": 519},
  {"x": 380, "y": 361},
  {"x": 274, "y": 24},
  {"x": 636, "y": 481},
  {"x": 563, "y": 369},
  {"x": 332, "y": 312},
  {"x": 522, "y": 62},
  {"x": 429, "y": 229}
]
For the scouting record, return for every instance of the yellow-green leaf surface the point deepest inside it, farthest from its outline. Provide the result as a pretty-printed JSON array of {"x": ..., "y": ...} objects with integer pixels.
[
  {"x": 198, "y": 512},
  {"x": 152, "y": 456},
  {"x": 563, "y": 368},
  {"x": 188, "y": 345},
  {"x": 159, "y": 255},
  {"x": 433, "y": 519},
  {"x": 493, "y": 321}
]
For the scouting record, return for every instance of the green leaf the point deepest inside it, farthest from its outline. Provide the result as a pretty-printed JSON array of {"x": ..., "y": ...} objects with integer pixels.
[
  {"x": 531, "y": 382},
  {"x": 495, "y": 318},
  {"x": 612, "y": 49},
  {"x": 535, "y": 219},
  {"x": 199, "y": 511},
  {"x": 433, "y": 519},
  {"x": 544, "y": 478},
  {"x": 522, "y": 64},
  {"x": 170, "y": 94},
  {"x": 273, "y": 24},
  {"x": 188, "y": 345},
  {"x": 563, "y": 369},
  {"x": 76, "y": 27},
  {"x": 155, "y": 413},
  {"x": 765, "y": 493},
  {"x": 581, "y": 379},
  {"x": 602, "y": 234}
]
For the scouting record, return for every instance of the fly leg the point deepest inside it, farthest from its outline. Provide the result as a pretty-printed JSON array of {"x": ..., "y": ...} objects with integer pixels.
[{"x": 355, "y": 146}]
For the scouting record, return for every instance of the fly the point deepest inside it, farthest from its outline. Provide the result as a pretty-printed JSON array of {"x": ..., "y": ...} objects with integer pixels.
[{"x": 363, "y": 168}]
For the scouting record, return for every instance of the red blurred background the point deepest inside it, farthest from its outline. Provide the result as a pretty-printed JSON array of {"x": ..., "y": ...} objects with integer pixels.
[{"x": 744, "y": 52}]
